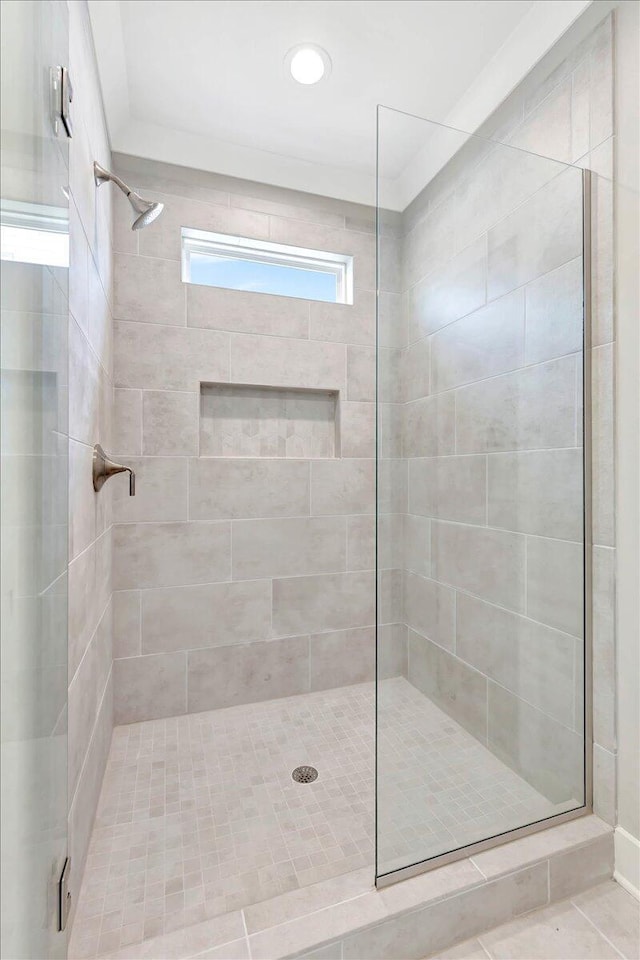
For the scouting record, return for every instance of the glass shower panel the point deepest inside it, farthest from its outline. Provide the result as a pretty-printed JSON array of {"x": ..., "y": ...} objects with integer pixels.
[
  {"x": 481, "y": 509},
  {"x": 33, "y": 503}
]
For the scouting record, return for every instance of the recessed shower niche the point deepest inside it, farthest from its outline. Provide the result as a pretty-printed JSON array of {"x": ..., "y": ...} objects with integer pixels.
[{"x": 241, "y": 420}]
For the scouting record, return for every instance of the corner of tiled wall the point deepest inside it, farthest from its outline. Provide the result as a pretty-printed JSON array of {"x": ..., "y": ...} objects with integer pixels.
[{"x": 90, "y": 695}]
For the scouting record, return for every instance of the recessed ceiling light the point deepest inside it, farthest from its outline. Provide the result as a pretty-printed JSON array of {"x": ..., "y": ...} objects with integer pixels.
[{"x": 308, "y": 63}]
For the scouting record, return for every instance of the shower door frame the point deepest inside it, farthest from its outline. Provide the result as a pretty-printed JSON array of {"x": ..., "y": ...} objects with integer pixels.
[{"x": 464, "y": 852}]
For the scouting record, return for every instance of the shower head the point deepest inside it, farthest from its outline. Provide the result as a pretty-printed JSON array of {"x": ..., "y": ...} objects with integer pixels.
[{"x": 147, "y": 210}]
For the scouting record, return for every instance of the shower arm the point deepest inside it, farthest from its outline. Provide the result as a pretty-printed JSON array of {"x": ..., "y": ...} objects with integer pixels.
[{"x": 104, "y": 176}]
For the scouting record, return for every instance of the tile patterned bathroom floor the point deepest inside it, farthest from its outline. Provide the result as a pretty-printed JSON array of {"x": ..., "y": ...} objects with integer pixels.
[{"x": 199, "y": 816}]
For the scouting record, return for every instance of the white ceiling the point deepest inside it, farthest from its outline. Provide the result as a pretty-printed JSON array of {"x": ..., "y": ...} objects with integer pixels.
[{"x": 202, "y": 82}]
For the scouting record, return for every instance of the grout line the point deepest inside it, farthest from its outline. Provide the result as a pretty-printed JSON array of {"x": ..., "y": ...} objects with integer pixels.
[{"x": 596, "y": 927}]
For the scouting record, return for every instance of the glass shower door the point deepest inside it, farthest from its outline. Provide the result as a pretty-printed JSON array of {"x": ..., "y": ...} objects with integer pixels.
[
  {"x": 33, "y": 506},
  {"x": 481, "y": 707}
]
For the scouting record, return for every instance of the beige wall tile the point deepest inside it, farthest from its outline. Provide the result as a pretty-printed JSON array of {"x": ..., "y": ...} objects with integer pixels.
[
  {"x": 149, "y": 291},
  {"x": 453, "y": 686},
  {"x": 150, "y": 687},
  {"x": 168, "y": 358},
  {"x": 225, "y": 676},
  {"x": 287, "y": 547},
  {"x": 417, "y": 545},
  {"x": 392, "y": 650},
  {"x": 415, "y": 367},
  {"x": 170, "y": 554},
  {"x": 126, "y": 624},
  {"x": 450, "y": 292},
  {"x": 239, "y": 489},
  {"x": 341, "y": 658},
  {"x": 532, "y": 408},
  {"x": 161, "y": 490},
  {"x": 281, "y": 362},
  {"x": 538, "y": 492},
  {"x": 531, "y": 660},
  {"x": 327, "y": 602},
  {"x": 483, "y": 344},
  {"x": 554, "y": 315},
  {"x": 345, "y": 323},
  {"x": 555, "y": 583},
  {"x": 429, "y": 609},
  {"x": 449, "y": 488},
  {"x": 602, "y": 446},
  {"x": 361, "y": 373},
  {"x": 604, "y": 671},
  {"x": 357, "y": 429},
  {"x": 543, "y": 233},
  {"x": 244, "y": 312},
  {"x": 127, "y": 423},
  {"x": 487, "y": 563},
  {"x": 361, "y": 547},
  {"x": 547, "y": 754},
  {"x": 207, "y": 615},
  {"x": 429, "y": 427},
  {"x": 165, "y": 239},
  {"x": 170, "y": 423},
  {"x": 342, "y": 486}
]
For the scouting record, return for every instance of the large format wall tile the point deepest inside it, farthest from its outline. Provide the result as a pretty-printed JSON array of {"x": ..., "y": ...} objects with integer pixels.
[
  {"x": 531, "y": 660},
  {"x": 429, "y": 609},
  {"x": 546, "y": 753},
  {"x": 453, "y": 686},
  {"x": 533, "y": 408},
  {"x": 225, "y": 676},
  {"x": 150, "y": 687},
  {"x": 169, "y": 423},
  {"x": 554, "y": 311},
  {"x": 149, "y": 291},
  {"x": 539, "y": 492},
  {"x": 542, "y": 234},
  {"x": 483, "y": 344},
  {"x": 161, "y": 490},
  {"x": 170, "y": 554},
  {"x": 428, "y": 428},
  {"x": 240, "y": 312},
  {"x": 449, "y": 293},
  {"x": 487, "y": 563},
  {"x": 449, "y": 488},
  {"x": 206, "y": 615},
  {"x": 555, "y": 583},
  {"x": 343, "y": 657},
  {"x": 281, "y": 362},
  {"x": 238, "y": 489},
  {"x": 169, "y": 358},
  {"x": 328, "y": 602},
  {"x": 342, "y": 486},
  {"x": 287, "y": 547}
]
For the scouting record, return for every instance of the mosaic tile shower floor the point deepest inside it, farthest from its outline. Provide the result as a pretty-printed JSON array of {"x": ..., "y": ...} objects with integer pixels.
[{"x": 199, "y": 815}]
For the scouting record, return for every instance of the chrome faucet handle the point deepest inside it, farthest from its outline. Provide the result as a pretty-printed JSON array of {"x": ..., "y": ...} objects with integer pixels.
[{"x": 104, "y": 467}]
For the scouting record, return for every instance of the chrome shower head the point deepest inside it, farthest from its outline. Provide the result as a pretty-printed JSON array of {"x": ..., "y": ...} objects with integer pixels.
[{"x": 147, "y": 210}]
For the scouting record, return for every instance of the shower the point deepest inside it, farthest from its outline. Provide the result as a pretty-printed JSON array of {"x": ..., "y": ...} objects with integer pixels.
[{"x": 147, "y": 210}]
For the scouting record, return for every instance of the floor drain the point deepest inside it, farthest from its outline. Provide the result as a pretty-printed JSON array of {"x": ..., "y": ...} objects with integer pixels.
[{"x": 305, "y": 774}]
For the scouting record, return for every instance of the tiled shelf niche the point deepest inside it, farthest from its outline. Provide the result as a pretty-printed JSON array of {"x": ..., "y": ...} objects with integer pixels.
[{"x": 244, "y": 420}]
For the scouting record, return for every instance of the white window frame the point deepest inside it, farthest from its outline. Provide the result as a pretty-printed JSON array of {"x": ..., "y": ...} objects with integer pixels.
[{"x": 266, "y": 251}]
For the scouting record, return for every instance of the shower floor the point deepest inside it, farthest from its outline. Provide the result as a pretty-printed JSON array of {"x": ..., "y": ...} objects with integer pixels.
[{"x": 199, "y": 815}]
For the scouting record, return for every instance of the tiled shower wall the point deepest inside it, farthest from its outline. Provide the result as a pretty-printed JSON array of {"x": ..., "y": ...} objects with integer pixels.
[
  {"x": 492, "y": 432},
  {"x": 90, "y": 410},
  {"x": 238, "y": 578}
]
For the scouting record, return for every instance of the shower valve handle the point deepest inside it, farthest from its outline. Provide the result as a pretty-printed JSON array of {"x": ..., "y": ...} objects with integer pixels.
[{"x": 104, "y": 467}]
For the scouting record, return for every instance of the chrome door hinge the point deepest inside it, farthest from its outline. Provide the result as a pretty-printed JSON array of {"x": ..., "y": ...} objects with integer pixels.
[
  {"x": 64, "y": 895},
  {"x": 61, "y": 97}
]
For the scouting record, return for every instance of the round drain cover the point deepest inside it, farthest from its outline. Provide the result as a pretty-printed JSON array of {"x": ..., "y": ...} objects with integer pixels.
[{"x": 305, "y": 774}]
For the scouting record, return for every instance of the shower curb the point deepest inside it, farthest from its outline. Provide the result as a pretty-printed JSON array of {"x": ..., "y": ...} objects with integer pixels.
[{"x": 411, "y": 919}]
